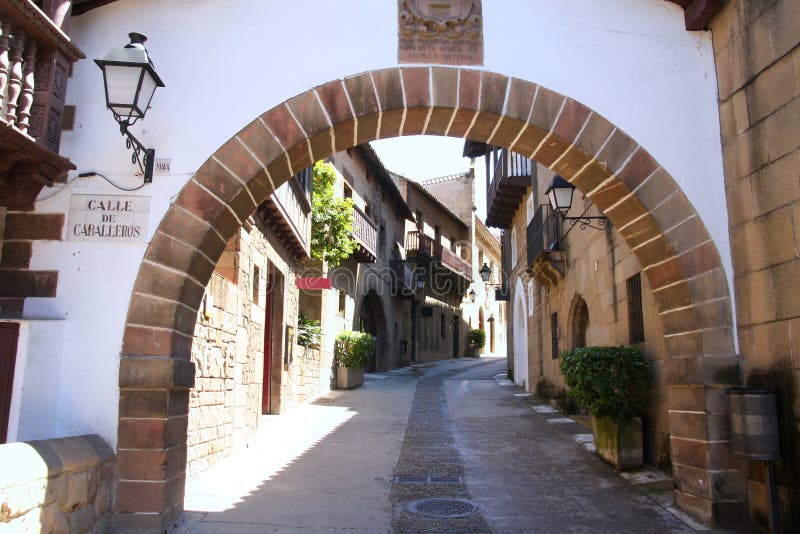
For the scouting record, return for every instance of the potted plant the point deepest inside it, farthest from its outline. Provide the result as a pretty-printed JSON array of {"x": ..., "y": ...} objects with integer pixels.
[
  {"x": 352, "y": 351},
  {"x": 476, "y": 339},
  {"x": 612, "y": 384}
]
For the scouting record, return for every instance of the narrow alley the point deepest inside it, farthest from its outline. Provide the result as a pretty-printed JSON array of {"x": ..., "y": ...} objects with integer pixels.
[{"x": 450, "y": 446}]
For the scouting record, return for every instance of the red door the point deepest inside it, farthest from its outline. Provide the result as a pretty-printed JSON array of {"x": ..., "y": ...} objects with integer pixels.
[
  {"x": 266, "y": 394},
  {"x": 8, "y": 357}
]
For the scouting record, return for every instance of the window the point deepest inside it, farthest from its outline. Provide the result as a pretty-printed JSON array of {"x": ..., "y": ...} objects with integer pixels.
[
  {"x": 635, "y": 314},
  {"x": 580, "y": 323},
  {"x": 420, "y": 222},
  {"x": 348, "y": 191},
  {"x": 442, "y": 324},
  {"x": 342, "y": 302},
  {"x": 554, "y": 334}
]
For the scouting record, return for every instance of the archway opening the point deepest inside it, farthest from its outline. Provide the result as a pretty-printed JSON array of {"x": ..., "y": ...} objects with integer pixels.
[{"x": 674, "y": 251}]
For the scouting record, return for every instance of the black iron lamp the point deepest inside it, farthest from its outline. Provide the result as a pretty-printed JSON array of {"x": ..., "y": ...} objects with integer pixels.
[
  {"x": 472, "y": 295},
  {"x": 420, "y": 279},
  {"x": 559, "y": 194},
  {"x": 485, "y": 272},
  {"x": 130, "y": 81}
]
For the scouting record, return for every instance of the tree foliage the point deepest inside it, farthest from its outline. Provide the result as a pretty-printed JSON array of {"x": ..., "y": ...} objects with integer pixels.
[
  {"x": 331, "y": 218},
  {"x": 607, "y": 381},
  {"x": 309, "y": 332}
]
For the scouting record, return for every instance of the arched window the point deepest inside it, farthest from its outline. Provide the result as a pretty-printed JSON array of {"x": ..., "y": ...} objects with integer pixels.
[{"x": 579, "y": 322}]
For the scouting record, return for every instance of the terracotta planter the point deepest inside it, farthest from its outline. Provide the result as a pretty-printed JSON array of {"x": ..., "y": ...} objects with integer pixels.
[
  {"x": 349, "y": 377},
  {"x": 619, "y": 444}
]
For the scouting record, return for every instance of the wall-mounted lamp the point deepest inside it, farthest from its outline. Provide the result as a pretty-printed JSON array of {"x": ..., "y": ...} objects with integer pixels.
[
  {"x": 420, "y": 279},
  {"x": 130, "y": 82},
  {"x": 472, "y": 295},
  {"x": 559, "y": 194}
]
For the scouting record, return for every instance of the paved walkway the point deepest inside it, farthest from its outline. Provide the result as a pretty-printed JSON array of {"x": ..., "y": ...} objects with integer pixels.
[{"x": 353, "y": 461}]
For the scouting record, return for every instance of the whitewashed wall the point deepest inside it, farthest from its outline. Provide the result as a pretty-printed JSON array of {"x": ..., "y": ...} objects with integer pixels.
[{"x": 225, "y": 62}]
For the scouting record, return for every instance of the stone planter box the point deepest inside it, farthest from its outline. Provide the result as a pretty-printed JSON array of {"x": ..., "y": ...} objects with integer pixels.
[
  {"x": 619, "y": 445},
  {"x": 349, "y": 377}
]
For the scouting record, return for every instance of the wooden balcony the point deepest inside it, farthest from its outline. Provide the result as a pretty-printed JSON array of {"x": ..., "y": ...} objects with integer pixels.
[
  {"x": 421, "y": 247},
  {"x": 403, "y": 279},
  {"x": 510, "y": 182},
  {"x": 287, "y": 212},
  {"x": 365, "y": 231},
  {"x": 545, "y": 255},
  {"x": 455, "y": 263},
  {"x": 35, "y": 61}
]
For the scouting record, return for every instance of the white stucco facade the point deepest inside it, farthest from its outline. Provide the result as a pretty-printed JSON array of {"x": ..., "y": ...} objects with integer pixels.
[{"x": 226, "y": 62}]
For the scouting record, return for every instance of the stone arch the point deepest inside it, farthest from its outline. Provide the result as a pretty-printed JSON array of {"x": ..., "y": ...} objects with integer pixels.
[
  {"x": 641, "y": 199},
  {"x": 370, "y": 317},
  {"x": 578, "y": 322}
]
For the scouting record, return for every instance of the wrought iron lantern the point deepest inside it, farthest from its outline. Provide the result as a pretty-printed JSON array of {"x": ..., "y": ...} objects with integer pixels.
[
  {"x": 559, "y": 194},
  {"x": 485, "y": 272},
  {"x": 472, "y": 295},
  {"x": 130, "y": 81},
  {"x": 420, "y": 279}
]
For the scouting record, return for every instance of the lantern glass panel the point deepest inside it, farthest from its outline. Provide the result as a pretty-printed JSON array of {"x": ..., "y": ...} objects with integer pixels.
[
  {"x": 146, "y": 94},
  {"x": 122, "y": 81}
]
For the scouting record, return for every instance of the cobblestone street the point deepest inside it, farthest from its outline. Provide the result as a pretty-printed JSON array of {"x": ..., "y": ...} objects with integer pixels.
[{"x": 490, "y": 458}]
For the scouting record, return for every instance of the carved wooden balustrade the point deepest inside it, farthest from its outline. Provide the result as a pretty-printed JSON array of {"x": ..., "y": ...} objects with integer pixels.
[
  {"x": 366, "y": 233},
  {"x": 454, "y": 262},
  {"x": 509, "y": 185},
  {"x": 35, "y": 60},
  {"x": 420, "y": 246},
  {"x": 288, "y": 213}
]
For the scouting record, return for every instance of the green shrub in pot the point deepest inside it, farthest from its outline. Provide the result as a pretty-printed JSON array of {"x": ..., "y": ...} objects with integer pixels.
[
  {"x": 611, "y": 383},
  {"x": 354, "y": 349}
]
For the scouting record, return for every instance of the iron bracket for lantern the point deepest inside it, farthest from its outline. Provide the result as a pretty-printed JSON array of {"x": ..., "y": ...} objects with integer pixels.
[{"x": 141, "y": 155}]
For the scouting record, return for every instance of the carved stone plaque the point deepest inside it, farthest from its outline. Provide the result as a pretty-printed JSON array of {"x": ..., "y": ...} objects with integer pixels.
[{"x": 448, "y": 32}]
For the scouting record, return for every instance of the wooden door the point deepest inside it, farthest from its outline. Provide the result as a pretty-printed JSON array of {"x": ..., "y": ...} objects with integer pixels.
[
  {"x": 9, "y": 332},
  {"x": 266, "y": 394}
]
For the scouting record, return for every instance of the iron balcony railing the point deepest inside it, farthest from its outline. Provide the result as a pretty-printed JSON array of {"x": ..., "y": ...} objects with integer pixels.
[
  {"x": 365, "y": 231},
  {"x": 403, "y": 282},
  {"x": 543, "y": 233},
  {"x": 419, "y": 243}
]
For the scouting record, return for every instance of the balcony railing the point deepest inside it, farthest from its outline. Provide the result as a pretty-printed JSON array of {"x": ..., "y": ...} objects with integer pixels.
[
  {"x": 403, "y": 283},
  {"x": 418, "y": 243},
  {"x": 366, "y": 233},
  {"x": 545, "y": 253},
  {"x": 35, "y": 61},
  {"x": 452, "y": 261},
  {"x": 509, "y": 185},
  {"x": 288, "y": 213}
]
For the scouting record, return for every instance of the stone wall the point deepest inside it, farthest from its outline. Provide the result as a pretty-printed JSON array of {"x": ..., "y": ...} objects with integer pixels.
[
  {"x": 228, "y": 348},
  {"x": 56, "y": 485},
  {"x": 224, "y": 404},
  {"x": 758, "y": 68},
  {"x": 598, "y": 265}
]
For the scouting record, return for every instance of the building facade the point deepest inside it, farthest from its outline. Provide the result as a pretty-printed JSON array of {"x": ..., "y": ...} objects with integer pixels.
[{"x": 438, "y": 246}]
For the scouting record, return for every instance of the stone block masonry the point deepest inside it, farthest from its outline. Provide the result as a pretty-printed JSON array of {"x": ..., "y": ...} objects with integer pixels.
[
  {"x": 757, "y": 52},
  {"x": 56, "y": 485}
]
